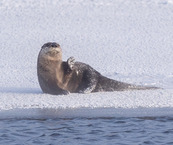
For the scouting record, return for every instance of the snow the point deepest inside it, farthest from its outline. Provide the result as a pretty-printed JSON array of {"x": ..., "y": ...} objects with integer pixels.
[{"x": 124, "y": 40}]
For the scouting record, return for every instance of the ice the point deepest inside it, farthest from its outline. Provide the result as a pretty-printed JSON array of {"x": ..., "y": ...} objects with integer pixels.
[{"x": 124, "y": 40}]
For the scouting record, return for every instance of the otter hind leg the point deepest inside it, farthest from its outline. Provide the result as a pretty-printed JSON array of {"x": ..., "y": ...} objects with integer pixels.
[
  {"x": 88, "y": 89},
  {"x": 89, "y": 82}
]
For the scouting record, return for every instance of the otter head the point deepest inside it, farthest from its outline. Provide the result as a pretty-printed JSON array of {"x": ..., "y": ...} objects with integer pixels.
[{"x": 51, "y": 51}]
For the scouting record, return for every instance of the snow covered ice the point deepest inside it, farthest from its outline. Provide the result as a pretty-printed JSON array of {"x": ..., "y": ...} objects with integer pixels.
[{"x": 123, "y": 40}]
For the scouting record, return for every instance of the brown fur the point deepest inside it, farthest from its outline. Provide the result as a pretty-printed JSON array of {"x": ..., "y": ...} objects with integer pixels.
[
  {"x": 54, "y": 75},
  {"x": 61, "y": 77}
]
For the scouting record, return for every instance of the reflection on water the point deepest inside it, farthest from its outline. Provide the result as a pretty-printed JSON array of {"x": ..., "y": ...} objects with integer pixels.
[{"x": 102, "y": 130}]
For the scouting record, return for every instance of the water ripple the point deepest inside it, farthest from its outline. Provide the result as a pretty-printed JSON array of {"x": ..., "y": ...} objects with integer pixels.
[{"x": 143, "y": 130}]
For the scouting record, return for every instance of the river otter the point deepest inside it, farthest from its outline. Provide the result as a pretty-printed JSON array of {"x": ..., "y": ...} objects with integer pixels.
[{"x": 63, "y": 77}]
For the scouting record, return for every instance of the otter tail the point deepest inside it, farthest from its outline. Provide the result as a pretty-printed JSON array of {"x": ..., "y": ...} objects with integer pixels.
[
  {"x": 134, "y": 87},
  {"x": 106, "y": 84}
]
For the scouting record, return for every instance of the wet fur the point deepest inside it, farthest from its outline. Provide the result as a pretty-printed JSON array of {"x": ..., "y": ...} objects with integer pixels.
[{"x": 62, "y": 77}]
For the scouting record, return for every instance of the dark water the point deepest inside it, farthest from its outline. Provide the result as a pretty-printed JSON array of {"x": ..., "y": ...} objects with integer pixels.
[{"x": 88, "y": 131}]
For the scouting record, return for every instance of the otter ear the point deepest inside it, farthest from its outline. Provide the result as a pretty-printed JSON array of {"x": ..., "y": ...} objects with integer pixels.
[{"x": 44, "y": 46}]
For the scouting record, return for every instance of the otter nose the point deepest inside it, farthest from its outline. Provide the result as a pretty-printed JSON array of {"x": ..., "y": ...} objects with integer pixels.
[{"x": 54, "y": 45}]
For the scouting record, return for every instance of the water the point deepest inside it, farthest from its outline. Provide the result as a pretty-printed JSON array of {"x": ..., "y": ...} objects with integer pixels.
[{"x": 87, "y": 131}]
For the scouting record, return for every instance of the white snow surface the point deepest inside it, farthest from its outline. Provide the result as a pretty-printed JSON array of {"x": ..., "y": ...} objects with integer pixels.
[{"x": 129, "y": 41}]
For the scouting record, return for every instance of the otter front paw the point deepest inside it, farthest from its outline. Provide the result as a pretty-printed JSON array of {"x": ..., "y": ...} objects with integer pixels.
[{"x": 71, "y": 62}]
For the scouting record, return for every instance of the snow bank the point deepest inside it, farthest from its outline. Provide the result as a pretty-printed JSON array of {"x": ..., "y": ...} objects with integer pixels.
[{"x": 124, "y": 40}]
